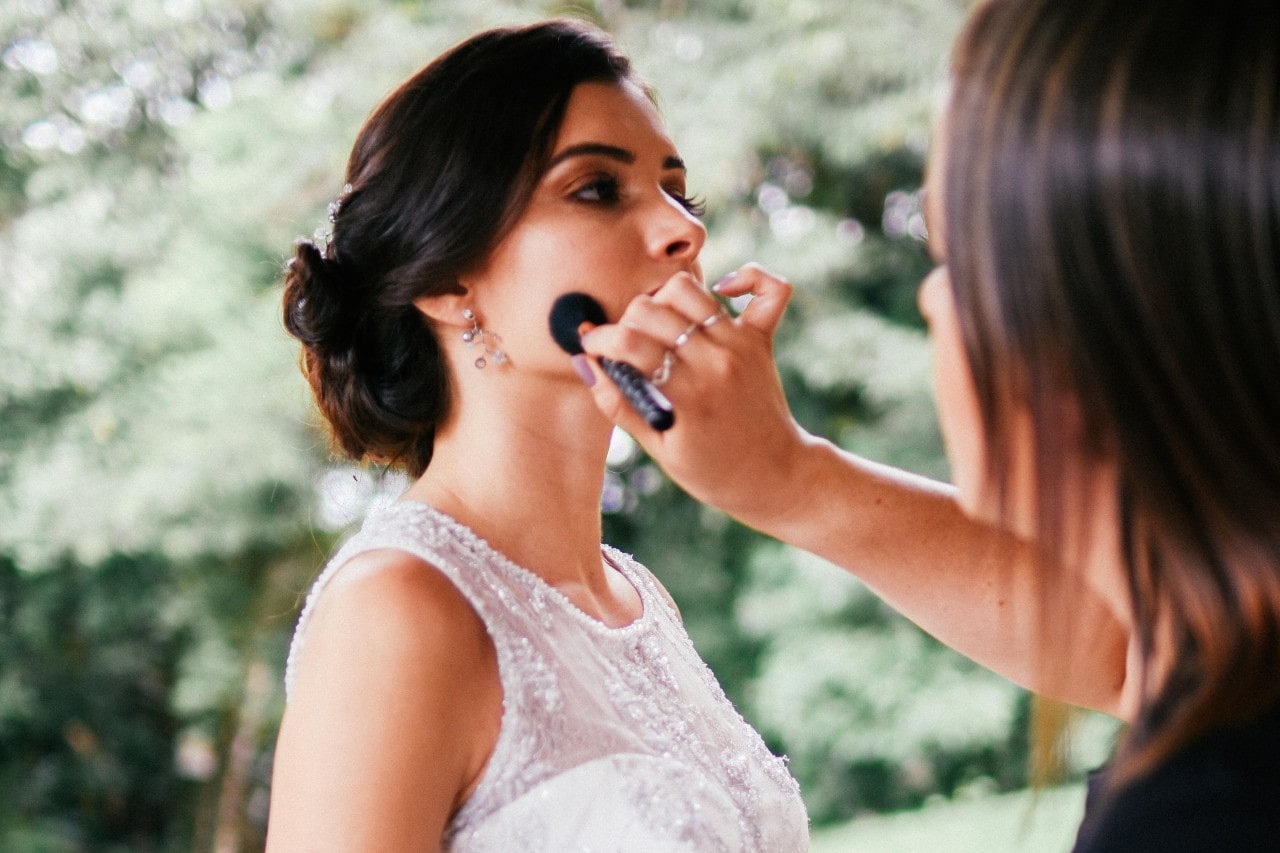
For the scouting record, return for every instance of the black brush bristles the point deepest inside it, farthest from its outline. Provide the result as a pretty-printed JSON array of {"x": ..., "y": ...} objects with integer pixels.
[{"x": 569, "y": 312}]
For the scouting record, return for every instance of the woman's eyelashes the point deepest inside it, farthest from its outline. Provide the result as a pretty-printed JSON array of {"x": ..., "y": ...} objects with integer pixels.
[
  {"x": 696, "y": 206},
  {"x": 600, "y": 189},
  {"x": 605, "y": 189}
]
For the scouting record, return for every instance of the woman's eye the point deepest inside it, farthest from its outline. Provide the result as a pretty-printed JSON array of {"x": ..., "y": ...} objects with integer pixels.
[
  {"x": 601, "y": 190},
  {"x": 695, "y": 206}
]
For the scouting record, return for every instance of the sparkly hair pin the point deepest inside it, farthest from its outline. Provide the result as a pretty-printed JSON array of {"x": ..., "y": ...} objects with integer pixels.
[{"x": 324, "y": 235}]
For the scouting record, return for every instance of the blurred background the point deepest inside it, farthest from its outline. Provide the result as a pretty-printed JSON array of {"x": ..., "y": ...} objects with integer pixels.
[{"x": 166, "y": 497}]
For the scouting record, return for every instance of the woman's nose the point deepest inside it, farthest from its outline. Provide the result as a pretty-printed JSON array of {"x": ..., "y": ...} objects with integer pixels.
[{"x": 675, "y": 233}]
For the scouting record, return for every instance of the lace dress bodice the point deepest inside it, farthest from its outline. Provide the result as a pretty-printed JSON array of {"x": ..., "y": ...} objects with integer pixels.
[{"x": 612, "y": 739}]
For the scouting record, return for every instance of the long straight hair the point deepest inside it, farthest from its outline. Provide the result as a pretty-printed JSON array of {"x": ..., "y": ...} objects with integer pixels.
[{"x": 1112, "y": 200}]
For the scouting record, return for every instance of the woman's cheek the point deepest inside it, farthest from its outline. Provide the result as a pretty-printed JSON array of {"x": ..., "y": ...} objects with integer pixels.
[{"x": 954, "y": 393}]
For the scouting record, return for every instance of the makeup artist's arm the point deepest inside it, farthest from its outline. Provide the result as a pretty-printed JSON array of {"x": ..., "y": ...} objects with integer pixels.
[{"x": 736, "y": 446}]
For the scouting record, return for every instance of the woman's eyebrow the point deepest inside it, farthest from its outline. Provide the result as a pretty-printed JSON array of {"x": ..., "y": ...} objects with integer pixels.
[
  {"x": 613, "y": 152},
  {"x": 586, "y": 149}
]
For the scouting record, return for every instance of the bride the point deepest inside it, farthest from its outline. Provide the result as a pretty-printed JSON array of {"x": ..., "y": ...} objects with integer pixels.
[{"x": 474, "y": 670}]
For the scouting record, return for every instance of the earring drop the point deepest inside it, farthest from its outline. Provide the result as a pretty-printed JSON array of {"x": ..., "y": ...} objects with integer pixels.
[{"x": 489, "y": 342}]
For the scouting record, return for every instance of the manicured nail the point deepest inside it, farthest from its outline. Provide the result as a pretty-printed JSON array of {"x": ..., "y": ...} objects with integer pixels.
[
  {"x": 583, "y": 365},
  {"x": 722, "y": 281}
]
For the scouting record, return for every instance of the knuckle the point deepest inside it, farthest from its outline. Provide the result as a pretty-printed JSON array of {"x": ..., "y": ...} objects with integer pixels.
[
  {"x": 687, "y": 283},
  {"x": 638, "y": 311},
  {"x": 630, "y": 339}
]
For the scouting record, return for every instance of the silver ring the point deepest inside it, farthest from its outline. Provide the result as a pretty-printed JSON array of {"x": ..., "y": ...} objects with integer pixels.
[
  {"x": 716, "y": 317},
  {"x": 663, "y": 373},
  {"x": 683, "y": 337}
]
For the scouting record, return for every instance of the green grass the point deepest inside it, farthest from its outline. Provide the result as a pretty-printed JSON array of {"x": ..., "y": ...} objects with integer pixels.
[{"x": 1020, "y": 822}]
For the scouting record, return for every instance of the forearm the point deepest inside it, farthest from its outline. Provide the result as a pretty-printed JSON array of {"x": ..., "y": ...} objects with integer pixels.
[
  {"x": 736, "y": 446},
  {"x": 980, "y": 591}
]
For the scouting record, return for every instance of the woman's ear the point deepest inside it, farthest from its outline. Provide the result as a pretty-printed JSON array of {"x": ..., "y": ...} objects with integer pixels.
[{"x": 445, "y": 309}]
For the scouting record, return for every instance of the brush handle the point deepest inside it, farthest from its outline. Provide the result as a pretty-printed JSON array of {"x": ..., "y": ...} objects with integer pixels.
[
  {"x": 570, "y": 311},
  {"x": 647, "y": 400}
]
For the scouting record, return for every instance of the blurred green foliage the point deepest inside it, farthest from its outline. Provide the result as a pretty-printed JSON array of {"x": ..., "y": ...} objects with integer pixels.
[{"x": 165, "y": 497}]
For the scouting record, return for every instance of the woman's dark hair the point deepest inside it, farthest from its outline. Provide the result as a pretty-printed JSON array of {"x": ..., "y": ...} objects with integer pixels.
[
  {"x": 1112, "y": 203},
  {"x": 438, "y": 174}
]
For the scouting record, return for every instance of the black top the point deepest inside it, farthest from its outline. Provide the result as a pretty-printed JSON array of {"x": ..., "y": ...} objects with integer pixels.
[{"x": 1219, "y": 793}]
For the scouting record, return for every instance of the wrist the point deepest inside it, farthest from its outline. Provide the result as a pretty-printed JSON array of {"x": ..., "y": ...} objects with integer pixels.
[{"x": 783, "y": 493}]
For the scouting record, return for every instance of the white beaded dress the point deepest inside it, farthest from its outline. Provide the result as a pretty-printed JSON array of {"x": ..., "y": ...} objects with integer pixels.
[{"x": 612, "y": 739}]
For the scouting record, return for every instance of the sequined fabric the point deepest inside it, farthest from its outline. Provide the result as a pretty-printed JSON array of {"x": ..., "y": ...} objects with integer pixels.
[{"x": 612, "y": 739}]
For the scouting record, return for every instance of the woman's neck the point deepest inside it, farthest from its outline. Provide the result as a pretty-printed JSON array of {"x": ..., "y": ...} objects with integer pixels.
[
  {"x": 525, "y": 474},
  {"x": 1098, "y": 553}
]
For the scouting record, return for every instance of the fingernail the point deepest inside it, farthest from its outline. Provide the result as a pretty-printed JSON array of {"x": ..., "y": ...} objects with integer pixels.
[
  {"x": 583, "y": 366},
  {"x": 722, "y": 281}
]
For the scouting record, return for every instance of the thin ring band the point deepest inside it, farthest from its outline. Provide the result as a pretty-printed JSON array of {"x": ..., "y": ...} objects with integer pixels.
[
  {"x": 663, "y": 373},
  {"x": 683, "y": 337},
  {"x": 716, "y": 316}
]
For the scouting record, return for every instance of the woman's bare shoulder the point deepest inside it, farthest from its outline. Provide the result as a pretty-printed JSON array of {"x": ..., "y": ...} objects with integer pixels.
[
  {"x": 402, "y": 583},
  {"x": 395, "y": 707},
  {"x": 400, "y": 607}
]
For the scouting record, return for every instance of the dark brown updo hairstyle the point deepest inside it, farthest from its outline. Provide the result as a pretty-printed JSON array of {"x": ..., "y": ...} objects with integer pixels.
[
  {"x": 439, "y": 173},
  {"x": 1112, "y": 202}
]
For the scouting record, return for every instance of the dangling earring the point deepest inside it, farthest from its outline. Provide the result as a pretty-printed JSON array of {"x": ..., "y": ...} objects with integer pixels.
[{"x": 490, "y": 342}]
